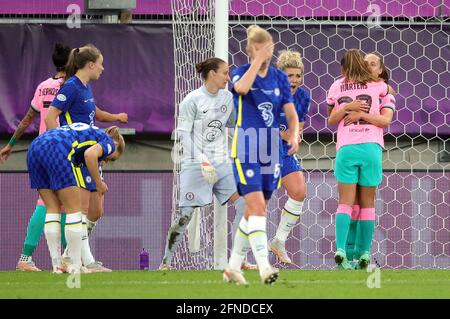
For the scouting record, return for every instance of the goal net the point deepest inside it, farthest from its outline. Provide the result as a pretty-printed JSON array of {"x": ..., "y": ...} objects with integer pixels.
[{"x": 413, "y": 201}]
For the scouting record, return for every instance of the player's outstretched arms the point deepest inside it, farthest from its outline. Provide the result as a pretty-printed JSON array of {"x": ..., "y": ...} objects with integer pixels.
[
  {"x": 23, "y": 125},
  {"x": 104, "y": 116}
]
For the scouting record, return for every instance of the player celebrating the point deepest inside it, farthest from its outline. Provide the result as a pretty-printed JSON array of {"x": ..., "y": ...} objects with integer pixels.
[
  {"x": 57, "y": 182},
  {"x": 354, "y": 103},
  {"x": 260, "y": 93},
  {"x": 292, "y": 177},
  {"x": 75, "y": 103},
  {"x": 378, "y": 70},
  {"x": 43, "y": 96},
  {"x": 205, "y": 167}
]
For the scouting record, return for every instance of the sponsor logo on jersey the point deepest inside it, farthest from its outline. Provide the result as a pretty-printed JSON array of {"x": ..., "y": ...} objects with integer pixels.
[
  {"x": 109, "y": 149},
  {"x": 266, "y": 112},
  {"x": 61, "y": 97},
  {"x": 267, "y": 92},
  {"x": 88, "y": 179},
  {"x": 223, "y": 108},
  {"x": 235, "y": 78}
]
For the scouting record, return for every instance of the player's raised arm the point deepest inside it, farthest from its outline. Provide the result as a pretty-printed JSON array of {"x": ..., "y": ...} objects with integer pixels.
[
  {"x": 262, "y": 53},
  {"x": 104, "y": 116},
  {"x": 23, "y": 125}
]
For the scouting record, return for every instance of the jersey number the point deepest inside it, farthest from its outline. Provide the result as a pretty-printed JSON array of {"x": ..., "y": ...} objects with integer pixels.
[{"x": 362, "y": 97}]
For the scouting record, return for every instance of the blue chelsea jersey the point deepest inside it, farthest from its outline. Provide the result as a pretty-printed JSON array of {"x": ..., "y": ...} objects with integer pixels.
[
  {"x": 301, "y": 103},
  {"x": 77, "y": 138},
  {"x": 76, "y": 102},
  {"x": 262, "y": 105}
]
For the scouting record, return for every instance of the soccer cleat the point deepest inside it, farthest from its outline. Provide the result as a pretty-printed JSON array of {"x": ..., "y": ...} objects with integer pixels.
[
  {"x": 164, "y": 267},
  {"x": 97, "y": 266},
  {"x": 248, "y": 266},
  {"x": 341, "y": 260},
  {"x": 75, "y": 269},
  {"x": 26, "y": 266},
  {"x": 364, "y": 261},
  {"x": 346, "y": 265},
  {"x": 355, "y": 264},
  {"x": 270, "y": 276},
  {"x": 84, "y": 270},
  {"x": 278, "y": 248},
  {"x": 58, "y": 270},
  {"x": 340, "y": 256},
  {"x": 234, "y": 276}
]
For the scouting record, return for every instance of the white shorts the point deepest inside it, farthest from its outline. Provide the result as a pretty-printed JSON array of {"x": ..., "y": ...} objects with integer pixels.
[{"x": 196, "y": 192}]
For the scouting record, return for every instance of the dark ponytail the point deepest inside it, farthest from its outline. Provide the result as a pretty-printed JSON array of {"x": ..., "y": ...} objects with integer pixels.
[
  {"x": 60, "y": 56},
  {"x": 209, "y": 64}
]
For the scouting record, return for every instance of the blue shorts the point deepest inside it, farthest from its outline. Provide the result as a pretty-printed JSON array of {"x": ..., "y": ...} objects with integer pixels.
[
  {"x": 255, "y": 177},
  {"x": 290, "y": 165},
  {"x": 85, "y": 179},
  {"x": 49, "y": 167}
]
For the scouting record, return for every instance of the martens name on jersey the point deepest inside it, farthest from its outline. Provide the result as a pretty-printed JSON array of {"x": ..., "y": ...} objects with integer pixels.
[
  {"x": 48, "y": 91},
  {"x": 352, "y": 86}
]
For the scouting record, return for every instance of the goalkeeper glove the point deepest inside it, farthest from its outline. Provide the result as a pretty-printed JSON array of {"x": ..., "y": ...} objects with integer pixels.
[{"x": 208, "y": 171}]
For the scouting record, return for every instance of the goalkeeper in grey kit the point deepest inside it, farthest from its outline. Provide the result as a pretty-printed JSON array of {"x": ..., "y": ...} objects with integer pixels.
[{"x": 205, "y": 167}]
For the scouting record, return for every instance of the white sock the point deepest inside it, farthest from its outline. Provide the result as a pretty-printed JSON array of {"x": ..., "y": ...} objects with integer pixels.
[
  {"x": 257, "y": 237},
  {"x": 289, "y": 216},
  {"x": 241, "y": 246},
  {"x": 86, "y": 255},
  {"x": 74, "y": 233},
  {"x": 52, "y": 230}
]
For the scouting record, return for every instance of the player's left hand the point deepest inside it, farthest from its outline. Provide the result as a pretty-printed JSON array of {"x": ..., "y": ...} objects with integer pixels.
[
  {"x": 352, "y": 117},
  {"x": 122, "y": 118},
  {"x": 208, "y": 171},
  {"x": 4, "y": 153},
  {"x": 293, "y": 143}
]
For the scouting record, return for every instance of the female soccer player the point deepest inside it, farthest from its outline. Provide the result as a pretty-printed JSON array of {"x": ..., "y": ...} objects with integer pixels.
[
  {"x": 292, "y": 178},
  {"x": 205, "y": 167},
  {"x": 379, "y": 71},
  {"x": 57, "y": 182},
  {"x": 260, "y": 93},
  {"x": 43, "y": 96},
  {"x": 354, "y": 104},
  {"x": 75, "y": 103}
]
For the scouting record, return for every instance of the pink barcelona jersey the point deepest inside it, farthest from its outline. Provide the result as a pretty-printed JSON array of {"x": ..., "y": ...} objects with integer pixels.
[
  {"x": 375, "y": 94},
  {"x": 43, "y": 97}
]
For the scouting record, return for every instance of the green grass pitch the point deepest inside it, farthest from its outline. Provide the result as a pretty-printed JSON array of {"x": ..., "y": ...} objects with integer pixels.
[{"x": 209, "y": 285}]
